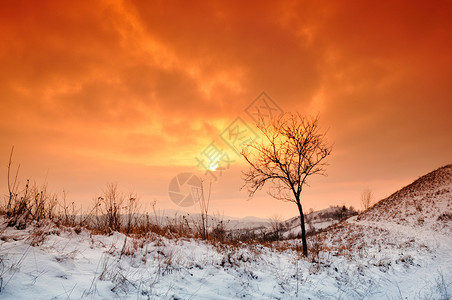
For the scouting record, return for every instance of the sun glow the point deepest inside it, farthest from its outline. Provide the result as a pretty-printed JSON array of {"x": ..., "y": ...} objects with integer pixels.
[{"x": 213, "y": 166}]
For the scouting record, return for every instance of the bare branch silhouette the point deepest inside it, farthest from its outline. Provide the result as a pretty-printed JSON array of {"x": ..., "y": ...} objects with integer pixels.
[{"x": 292, "y": 149}]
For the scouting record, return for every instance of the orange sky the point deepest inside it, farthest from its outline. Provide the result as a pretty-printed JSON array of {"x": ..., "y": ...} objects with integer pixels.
[{"x": 131, "y": 92}]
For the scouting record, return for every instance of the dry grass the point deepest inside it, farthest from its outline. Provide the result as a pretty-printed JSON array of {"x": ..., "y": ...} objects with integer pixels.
[{"x": 116, "y": 211}]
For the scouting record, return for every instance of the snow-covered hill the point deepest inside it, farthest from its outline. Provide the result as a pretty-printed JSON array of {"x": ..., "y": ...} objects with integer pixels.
[
  {"x": 424, "y": 204},
  {"x": 412, "y": 227},
  {"x": 317, "y": 220},
  {"x": 375, "y": 255},
  {"x": 276, "y": 229}
]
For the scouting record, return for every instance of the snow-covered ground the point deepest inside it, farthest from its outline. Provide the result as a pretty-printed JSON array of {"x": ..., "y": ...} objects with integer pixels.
[
  {"x": 369, "y": 256},
  {"x": 383, "y": 263}
]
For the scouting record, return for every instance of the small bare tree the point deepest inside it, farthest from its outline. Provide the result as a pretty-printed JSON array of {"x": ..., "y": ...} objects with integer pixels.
[
  {"x": 276, "y": 226},
  {"x": 292, "y": 149},
  {"x": 367, "y": 198}
]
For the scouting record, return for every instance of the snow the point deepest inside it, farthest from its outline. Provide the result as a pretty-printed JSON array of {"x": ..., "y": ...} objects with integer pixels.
[
  {"x": 66, "y": 265},
  {"x": 370, "y": 256}
]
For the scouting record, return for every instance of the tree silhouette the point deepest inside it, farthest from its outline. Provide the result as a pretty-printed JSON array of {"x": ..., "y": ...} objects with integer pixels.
[{"x": 291, "y": 150}]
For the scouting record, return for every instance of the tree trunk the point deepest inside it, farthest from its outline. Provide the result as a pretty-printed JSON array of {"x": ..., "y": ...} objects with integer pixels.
[{"x": 303, "y": 229}]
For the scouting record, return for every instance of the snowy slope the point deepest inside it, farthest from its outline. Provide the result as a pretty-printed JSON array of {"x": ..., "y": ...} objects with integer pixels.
[
  {"x": 412, "y": 228},
  {"x": 425, "y": 204}
]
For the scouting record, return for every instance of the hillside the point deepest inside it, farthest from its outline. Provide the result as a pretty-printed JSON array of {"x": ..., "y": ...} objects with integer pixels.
[
  {"x": 426, "y": 203},
  {"x": 411, "y": 230}
]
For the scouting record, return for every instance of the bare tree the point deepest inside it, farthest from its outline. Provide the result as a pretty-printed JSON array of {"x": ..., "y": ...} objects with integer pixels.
[
  {"x": 276, "y": 226},
  {"x": 292, "y": 149},
  {"x": 367, "y": 198}
]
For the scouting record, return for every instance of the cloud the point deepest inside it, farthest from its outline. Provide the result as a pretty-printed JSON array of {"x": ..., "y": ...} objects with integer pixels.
[{"x": 155, "y": 82}]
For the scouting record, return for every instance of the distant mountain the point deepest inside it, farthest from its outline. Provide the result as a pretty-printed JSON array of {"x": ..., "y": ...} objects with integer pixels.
[
  {"x": 318, "y": 220},
  {"x": 273, "y": 229},
  {"x": 171, "y": 216}
]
